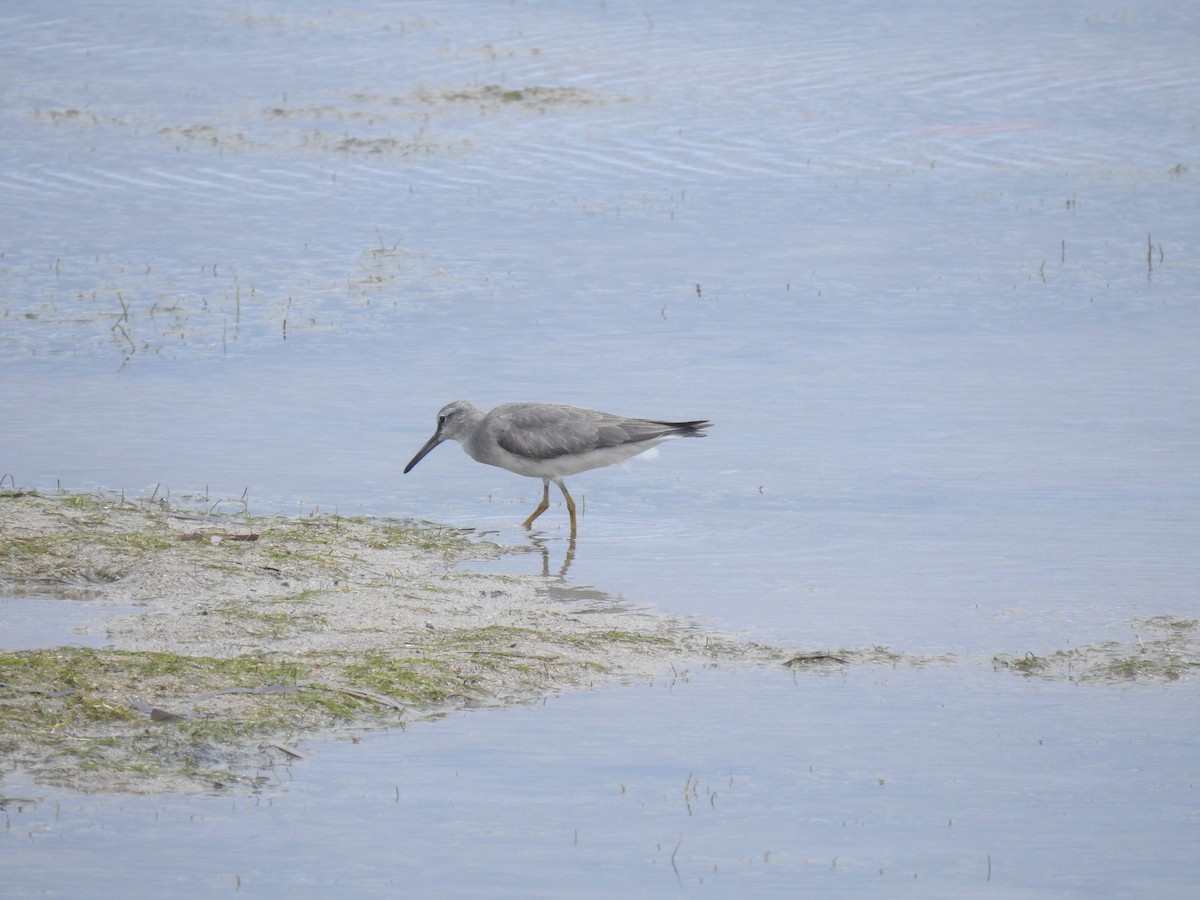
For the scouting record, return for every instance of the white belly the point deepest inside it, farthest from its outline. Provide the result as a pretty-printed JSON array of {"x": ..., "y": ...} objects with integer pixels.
[{"x": 562, "y": 466}]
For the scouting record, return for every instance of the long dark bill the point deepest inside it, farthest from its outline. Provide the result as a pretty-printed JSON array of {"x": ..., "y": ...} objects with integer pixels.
[{"x": 421, "y": 454}]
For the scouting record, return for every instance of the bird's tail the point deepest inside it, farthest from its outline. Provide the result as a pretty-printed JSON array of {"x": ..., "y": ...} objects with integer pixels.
[{"x": 697, "y": 428}]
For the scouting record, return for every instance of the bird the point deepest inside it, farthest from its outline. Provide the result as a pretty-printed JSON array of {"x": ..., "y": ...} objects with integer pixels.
[{"x": 550, "y": 441}]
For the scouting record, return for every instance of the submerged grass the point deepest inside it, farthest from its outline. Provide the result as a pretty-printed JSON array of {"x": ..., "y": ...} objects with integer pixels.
[
  {"x": 1164, "y": 649},
  {"x": 75, "y": 529},
  {"x": 274, "y": 618},
  {"x": 264, "y": 628},
  {"x": 134, "y": 715},
  {"x": 276, "y": 627}
]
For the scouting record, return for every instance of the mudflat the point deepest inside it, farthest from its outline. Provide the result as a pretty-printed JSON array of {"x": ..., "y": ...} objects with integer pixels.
[{"x": 250, "y": 633}]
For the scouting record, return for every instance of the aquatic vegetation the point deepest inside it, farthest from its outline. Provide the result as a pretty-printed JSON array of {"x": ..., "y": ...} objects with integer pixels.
[
  {"x": 259, "y": 629},
  {"x": 1164, "y": 648}
]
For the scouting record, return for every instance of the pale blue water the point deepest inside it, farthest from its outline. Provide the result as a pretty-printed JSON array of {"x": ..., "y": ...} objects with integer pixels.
[
  {"x": 899, "y": 257},
  {"x": 750, "y": 784}
]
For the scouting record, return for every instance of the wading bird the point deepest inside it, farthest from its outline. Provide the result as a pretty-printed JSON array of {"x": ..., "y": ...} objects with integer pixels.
[{"x": 550, "y": 440}]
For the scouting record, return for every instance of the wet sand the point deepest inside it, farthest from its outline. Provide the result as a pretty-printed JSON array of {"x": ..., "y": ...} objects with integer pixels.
[{"x": 254, "y": 632}]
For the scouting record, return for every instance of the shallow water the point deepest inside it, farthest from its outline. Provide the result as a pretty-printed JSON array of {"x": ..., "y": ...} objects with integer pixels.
[
  {"x": 932, "y": 273},
  {"x": 751, "y": 784},
  {"x": 33, "y": 622}
]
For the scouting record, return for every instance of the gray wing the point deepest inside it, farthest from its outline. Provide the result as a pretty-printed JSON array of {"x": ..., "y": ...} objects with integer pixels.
[
  {"x": 544, "y": 430},
  {"x": 549, "y": 430}
]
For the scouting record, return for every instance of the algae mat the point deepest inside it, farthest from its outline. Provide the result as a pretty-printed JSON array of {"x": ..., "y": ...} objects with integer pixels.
[
  {"x": 255, "y": 631},
  {"x": 251, "y": 633}
]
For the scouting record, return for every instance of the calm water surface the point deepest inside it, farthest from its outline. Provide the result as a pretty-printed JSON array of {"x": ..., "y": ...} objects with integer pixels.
[
  {"x": 748, "y": 785},
  {"x": 931, "y": 272}
]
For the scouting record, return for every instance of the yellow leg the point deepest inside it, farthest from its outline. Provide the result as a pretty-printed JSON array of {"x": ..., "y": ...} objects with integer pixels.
[
  {"x": 544, "y": 505},
  {"x": 570, "y": 506}
]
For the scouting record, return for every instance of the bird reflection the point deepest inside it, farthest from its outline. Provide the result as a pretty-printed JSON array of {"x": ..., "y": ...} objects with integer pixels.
[{"x": 543, "y": 546}]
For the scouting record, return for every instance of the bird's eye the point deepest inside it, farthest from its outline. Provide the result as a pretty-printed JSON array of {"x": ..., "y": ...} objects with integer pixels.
[{"x": 441, "y": 421}]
